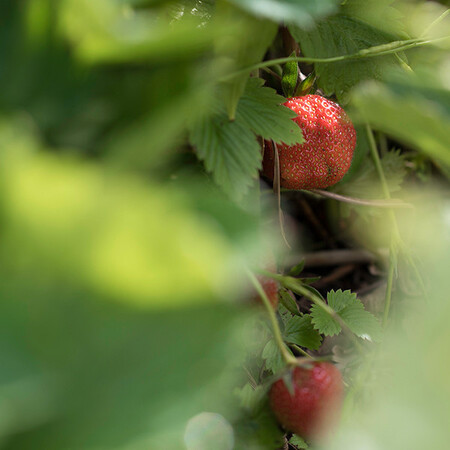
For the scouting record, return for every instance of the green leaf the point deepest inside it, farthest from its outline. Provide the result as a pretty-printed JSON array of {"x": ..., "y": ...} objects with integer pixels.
[
  {"x": 351, "y": 311},
  {"x": 380, "y": 14},
  {"x": 323, "y": 322},
  {"x": 272, "y": 355},
  {"x": 289, "y": 77},
  {"x": 411, "y": 107},
  {"x": 261, "y": 110},
  {"x": 300, "y": 331},
  {"x": 297, "y": 269},
  {"x": 288, "y": 302},
  {"x": 246, "y": 46},
  {"x": 366, "y": 183},
  {"x": 112, "y": 233},
  {"x": 298, "y": 441},
  {"x": 230, "y": 152},
  {"x": 251, "y": 398},
  {"x": 340, "y": 35},
  {"x": 258, "y": 432},
  {"x": 106, "y": 31},
  {"x": 301, "y": 12}
]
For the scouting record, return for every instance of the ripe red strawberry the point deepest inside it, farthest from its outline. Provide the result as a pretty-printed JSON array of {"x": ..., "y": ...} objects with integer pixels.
[
  {"x": 314, "y": 408},
  {"x": 326, "y": 153}
]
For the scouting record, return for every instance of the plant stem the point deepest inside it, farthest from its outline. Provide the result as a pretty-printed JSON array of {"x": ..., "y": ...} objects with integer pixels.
[
  {"x": 395, "y": 237},
  {"x": 378, "y": 50},
  {"x": 294, "y": 285},
  {"x": 391, "y": 203},
  {"x": 300, "y": 350},
  {"x": 287, "y": 356},
  {"x": 388, "y": 295}
]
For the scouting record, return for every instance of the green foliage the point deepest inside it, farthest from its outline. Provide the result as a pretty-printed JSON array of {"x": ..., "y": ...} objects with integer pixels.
[
  {"x": 122, "y": 280},
  {"x": 230, "y": 149},
  {"x": 298, "y": 441},
  {"x": 351, "y": 311},
  {"x": 244, "y": 47},
  {"x": 301, "y": 12},
  {"x": 341, "y": 35},
  {"x": 260, "y": 110},
  {"x": 414, "y": 108},
  {"x": 300, "y": 331},
  {"x": 365, "y": 182},
  {"x": 272, "y": 356}
]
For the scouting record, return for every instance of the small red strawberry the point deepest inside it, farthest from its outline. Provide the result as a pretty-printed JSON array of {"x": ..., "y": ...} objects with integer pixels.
[
  {"x": 270, "y": 287},
  {"x": 327, "y": 151},
  {"x": 314, "y": 408}
]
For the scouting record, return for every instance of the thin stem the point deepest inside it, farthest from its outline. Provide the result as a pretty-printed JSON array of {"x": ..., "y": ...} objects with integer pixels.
[
  {"x": 392, "y": 203},
  {"x": 294, "y": 285},
  {"x": 377, "y": 162},
  {"x": 390, "y": 280},
  {"x": 395, "y": 238},
  {"x": 271, "y": 72},
  {"x": 287, "y": 356},
  {"x": 378, "y": 50},
  {"x": 300, "y": 350},
  {"x": 435, "y": 22}
]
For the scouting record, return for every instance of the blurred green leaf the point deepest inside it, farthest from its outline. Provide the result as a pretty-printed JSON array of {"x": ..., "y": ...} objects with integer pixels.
[
  {"x": 111, "y": 31},
  {"x": 366, "y": 182},
  {"x": 273, "y": 359},
  {"x": 384, "y": 15},
  {"x": 88, "y": 361},
  {"x": 411, "y": 107},
  {"x": 258, "y": 432},
  {"x": 301, "y": 12},
  {"x": 137, "y": 242},
  {"x": 298, "y": 441},
  {"x": 341, "y": 35},
  {"x": 243, "y": 46}
]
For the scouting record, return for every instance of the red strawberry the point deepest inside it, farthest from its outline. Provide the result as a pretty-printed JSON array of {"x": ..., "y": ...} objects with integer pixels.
[
  {"x": 270, "y": 287},
  {"x": 314, "y": 408},
  {"x": 326, "y": 153}
]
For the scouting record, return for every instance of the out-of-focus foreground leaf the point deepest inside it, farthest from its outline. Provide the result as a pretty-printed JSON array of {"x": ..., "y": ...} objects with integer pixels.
[
  {"x": 301, "y": 12},
  {"x": 108, "y": 288},
  {"x": 414, "y": 108},
  {"x": 410, "y": 400}
]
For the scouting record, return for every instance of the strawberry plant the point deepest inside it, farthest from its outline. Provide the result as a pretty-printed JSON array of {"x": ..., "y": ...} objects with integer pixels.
[{"x": 153, "y": 154}]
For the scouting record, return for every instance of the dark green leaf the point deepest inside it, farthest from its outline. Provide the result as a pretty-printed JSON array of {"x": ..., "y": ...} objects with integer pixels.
[
  {"x": 230, "y": 152},
  {"x": 297, "y": 270},
  {"x": 300, "y": 331},
  {"x": 261, "y": 109},
  {"x": 340, "y": 35},
  {"x": 288, "y": 302}
]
